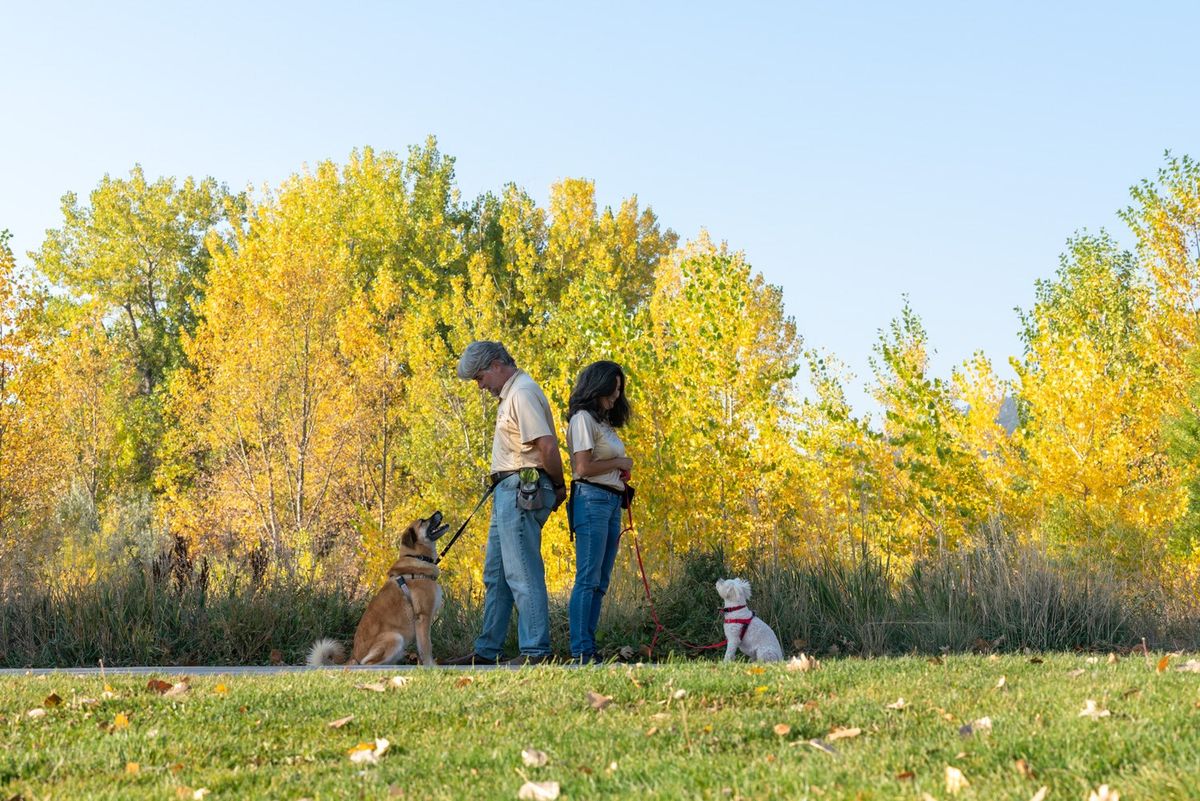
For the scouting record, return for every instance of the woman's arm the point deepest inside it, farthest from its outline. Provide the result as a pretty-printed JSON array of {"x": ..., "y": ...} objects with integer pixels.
[{"x": 584, "y": 466}]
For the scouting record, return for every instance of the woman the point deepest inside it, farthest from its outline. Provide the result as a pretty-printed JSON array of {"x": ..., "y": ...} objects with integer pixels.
[{"x": 599, "y": 469}]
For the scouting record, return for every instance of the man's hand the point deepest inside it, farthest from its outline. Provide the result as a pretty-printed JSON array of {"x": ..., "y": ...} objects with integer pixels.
[{"x": 547, "y": 446}]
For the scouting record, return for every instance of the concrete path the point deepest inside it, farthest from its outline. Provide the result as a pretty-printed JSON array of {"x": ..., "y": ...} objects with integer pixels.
[{"x": 243, "y": 670}]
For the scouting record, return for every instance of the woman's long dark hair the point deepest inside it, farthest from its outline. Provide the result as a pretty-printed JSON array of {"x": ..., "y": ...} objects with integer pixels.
[{"x": 595, "y": 381}]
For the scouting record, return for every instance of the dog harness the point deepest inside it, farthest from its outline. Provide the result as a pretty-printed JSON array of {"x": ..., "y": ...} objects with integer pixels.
[{"x": 745, "y": 621}]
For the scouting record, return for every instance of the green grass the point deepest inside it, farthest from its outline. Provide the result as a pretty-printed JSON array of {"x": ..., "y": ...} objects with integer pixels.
[{"x": 267, "y": 737}]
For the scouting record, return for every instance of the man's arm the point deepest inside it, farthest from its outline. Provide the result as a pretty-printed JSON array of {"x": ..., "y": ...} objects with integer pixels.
[{"x": 547, "y": 446}]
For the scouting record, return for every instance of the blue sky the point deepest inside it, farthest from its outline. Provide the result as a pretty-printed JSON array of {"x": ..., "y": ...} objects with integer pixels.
[{"x": 856, "y": 152}]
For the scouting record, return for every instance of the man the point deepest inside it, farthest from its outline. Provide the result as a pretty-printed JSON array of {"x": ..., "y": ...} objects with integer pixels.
[{"x": 513, "y": 571}]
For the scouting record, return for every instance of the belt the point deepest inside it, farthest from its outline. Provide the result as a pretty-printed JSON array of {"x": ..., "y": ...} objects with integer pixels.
[
  {"x": 604, "y": 487},
  {"x": 503, "y": 474}
]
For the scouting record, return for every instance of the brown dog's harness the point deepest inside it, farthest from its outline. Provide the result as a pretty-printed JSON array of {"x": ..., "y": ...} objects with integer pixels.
[
  {"x": 745, "y": 621},
  {"x": 402, "y": 579}
]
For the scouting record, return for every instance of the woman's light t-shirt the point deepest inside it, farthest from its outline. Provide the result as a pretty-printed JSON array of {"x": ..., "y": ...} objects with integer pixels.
[{"x": 586, "y": 433}]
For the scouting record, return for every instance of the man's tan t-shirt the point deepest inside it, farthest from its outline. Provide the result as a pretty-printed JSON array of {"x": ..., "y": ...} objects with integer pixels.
[
  {"x": 523, "y": 416},
  {"x": 586, "y": 433}
]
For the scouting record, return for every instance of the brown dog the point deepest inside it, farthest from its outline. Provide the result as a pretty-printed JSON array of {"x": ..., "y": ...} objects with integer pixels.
[{"x": 402, "y": 610}]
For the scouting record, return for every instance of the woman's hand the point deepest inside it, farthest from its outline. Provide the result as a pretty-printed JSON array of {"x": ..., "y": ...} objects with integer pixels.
[{"x": 623, "y": 463}]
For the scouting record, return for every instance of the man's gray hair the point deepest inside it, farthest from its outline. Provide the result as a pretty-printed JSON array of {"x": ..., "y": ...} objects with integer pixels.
[{"x": 479, "y": 356}]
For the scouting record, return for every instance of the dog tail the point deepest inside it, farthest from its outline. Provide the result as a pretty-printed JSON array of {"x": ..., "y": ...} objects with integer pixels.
[{"x": 326, "y": 652}]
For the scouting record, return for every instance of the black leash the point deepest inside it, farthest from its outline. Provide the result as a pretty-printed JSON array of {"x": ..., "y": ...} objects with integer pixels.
[{"x": 463, "y": 527}]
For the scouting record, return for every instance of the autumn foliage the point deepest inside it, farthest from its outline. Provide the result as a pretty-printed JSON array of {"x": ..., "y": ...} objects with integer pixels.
[{"x": 265, "y": 383}]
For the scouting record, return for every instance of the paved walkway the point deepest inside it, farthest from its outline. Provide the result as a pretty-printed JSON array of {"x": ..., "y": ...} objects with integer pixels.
[{"x": 241, "y": 670}]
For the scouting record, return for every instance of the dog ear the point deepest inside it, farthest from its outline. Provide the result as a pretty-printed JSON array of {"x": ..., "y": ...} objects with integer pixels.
[{"x": 409, "y": 538}]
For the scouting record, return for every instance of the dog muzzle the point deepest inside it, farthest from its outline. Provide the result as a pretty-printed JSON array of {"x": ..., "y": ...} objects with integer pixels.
[{"x": 435, "y": 528}]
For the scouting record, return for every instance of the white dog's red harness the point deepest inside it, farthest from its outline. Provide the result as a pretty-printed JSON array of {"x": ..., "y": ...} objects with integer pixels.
[{"x": 745, "y": 621}]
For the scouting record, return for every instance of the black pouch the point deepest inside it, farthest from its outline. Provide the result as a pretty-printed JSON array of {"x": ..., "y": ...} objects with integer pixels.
[{"x": 627, "y": 497}]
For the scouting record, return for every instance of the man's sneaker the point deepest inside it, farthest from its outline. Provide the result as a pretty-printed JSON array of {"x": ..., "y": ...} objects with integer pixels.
[
  {"x": 470, "y": 659},
  {"x": 530, "y": 659},
  {"x": 586, "y": 659}
]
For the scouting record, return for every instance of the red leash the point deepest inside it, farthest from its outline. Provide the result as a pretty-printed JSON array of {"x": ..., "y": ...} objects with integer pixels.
[{"x": 659, "y": 628}]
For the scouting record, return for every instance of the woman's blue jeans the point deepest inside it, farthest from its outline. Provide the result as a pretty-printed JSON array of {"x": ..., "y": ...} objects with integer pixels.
[
  {"x": 596, "y": 515},
  {"x": 513, "y": 573}
]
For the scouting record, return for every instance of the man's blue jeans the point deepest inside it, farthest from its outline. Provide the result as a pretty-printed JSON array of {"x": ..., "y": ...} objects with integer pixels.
[
  {"x": 596, "y": 514},
  {"x": 513, "y": 572}
]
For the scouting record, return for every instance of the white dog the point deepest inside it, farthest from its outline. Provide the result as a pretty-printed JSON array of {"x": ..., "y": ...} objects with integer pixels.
[{"x": 743, "y": 629}]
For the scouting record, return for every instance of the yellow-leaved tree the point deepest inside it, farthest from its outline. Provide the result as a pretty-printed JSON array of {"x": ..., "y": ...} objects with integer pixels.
[{"x": 1096, "y": 471}]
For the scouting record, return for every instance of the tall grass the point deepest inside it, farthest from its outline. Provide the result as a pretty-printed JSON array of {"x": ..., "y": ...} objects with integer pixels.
[{"x": 1003, "y": 598}]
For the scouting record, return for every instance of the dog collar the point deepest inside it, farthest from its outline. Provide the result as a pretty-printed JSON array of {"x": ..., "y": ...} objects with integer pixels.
[
  {"x": 422, "y": 558},
  {"x": 728, "y": 609}
]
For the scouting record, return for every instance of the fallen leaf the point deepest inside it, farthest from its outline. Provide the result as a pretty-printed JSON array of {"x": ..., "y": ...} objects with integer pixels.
[
  {"x": 340, "y": 722},
  {"x": 52, "y": 700},
  {"x": 1090, "y": 710},
  {"x": 782, "y": 729},
  {"x": 538, "y": 791},
  {"x": 1162, "y": 665},
  {"x": 158, "y": 685},
  {"x": 1092, "y": 660},
  {"x": 899, "y": 703},
  {"x": 399, "y": 681},
  {"x": 762, "y": 688},
  {"x": 1002, "y": 683},
  {"x": 221, "y": 689},
  {"x": 1103, "y": 793},
  {"x": 955, "y": 780},
  {"x": 132, "y": 768},
  {"x": 905, "y": 775},
  {"x": 177, "y": 689},
  {"x": 653, "y": 730},
  {"x": 1190, "y": 666},
  {"x": 1037, "y": 660},
  {"x": 626, "y": 653},
  {"x": 598, "y": 701},
  {"x": 802, "y": 663},
  {"x": 1040, "y": 795},
  {"x": 1113, "y": 658},
  {"x": 821, "y": 745},
  {"x": 276, "y": 656},
  {"x": 679, "y": 695},
  {"x": 368, "y": 753},
  {"x": 534, "y": 758},
  {"x": 36, "y": 713},
  {"x": 375, "y": 687},
  {"x": 1076, "y": 673},
  {"x": 981, "y": 726},
  {"x": 843, "y": 733},
  {"x": 757, "y": 670},
  {"x": 121, "y": 721},
  {"x": 199, "y": 794},
  {"x": 464, "y": 681}
]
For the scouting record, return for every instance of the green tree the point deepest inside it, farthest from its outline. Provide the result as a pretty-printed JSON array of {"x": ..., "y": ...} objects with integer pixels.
[{"x": 134, "y": 256}]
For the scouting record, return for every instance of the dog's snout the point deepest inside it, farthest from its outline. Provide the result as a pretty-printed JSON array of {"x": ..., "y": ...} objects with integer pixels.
[{"x": 435, "y": 527}]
